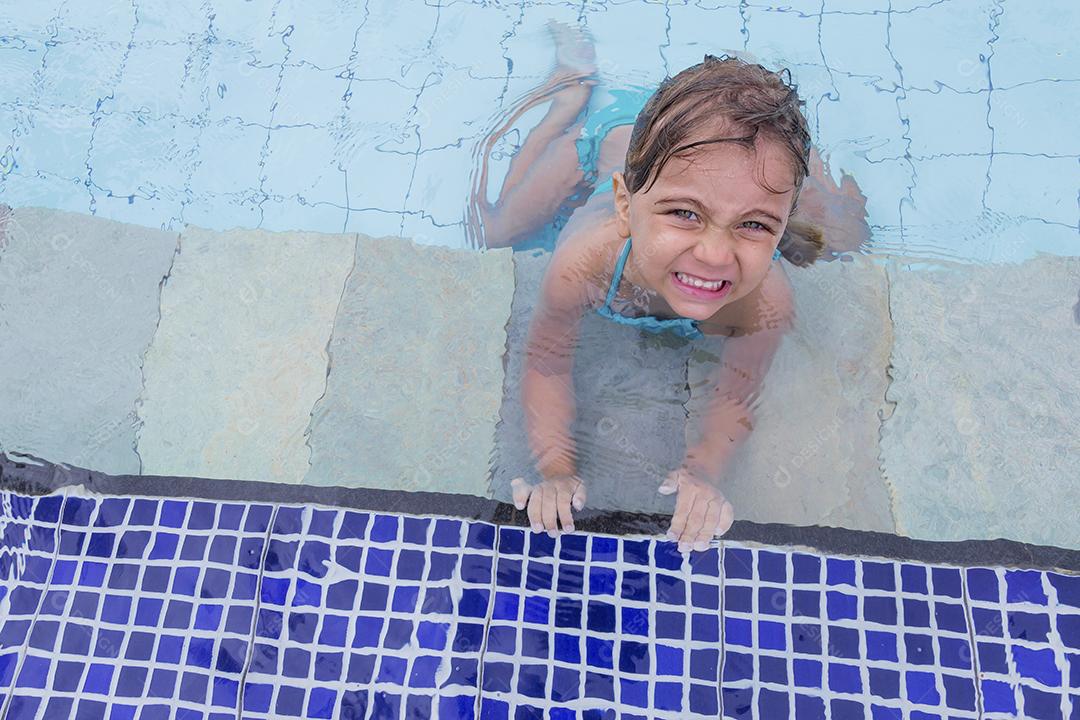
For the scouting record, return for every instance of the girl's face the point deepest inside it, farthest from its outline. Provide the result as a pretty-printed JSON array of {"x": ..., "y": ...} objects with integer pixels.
[{"x": 708, "y": 217}]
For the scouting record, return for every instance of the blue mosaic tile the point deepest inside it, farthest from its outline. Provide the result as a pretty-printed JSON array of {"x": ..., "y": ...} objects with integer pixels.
[
  {"x": 1026, "y": 625},
  {"x": 394, "y": 604},
  {"x": 135, "y": 607},
  {"x": 813, "y": 636},
  {"x": 28, "y": 542},
  {"x": 583, "y": 620},
  {"x": 138, "y": 617}
]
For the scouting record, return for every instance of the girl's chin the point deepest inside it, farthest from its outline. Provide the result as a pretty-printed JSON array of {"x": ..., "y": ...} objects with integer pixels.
[{"x": 698, "y": 313}]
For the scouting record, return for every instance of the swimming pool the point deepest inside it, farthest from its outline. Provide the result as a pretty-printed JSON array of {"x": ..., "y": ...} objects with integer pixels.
[{"x": 206, "y": 273}]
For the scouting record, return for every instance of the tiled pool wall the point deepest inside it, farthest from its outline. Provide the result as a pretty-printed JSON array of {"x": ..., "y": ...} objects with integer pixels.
[{"x": 144, "y": 607}]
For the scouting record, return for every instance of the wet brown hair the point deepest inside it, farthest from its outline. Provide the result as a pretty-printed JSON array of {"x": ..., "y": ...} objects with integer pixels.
[{"x": 744, "y": 97}]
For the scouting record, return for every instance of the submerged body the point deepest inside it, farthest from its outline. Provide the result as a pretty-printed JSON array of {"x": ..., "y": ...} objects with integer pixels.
[
  {"x": 678, "y": 202},
  {"x": 704, "y": 263}
]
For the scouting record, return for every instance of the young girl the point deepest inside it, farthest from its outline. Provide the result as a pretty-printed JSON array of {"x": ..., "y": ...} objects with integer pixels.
[{"x": 685, "y": 239}]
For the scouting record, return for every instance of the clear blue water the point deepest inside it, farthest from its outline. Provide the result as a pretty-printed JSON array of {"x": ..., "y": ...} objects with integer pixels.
[
  {"x": 956, "y": 120},
  {"x": 955, "y": 123}
]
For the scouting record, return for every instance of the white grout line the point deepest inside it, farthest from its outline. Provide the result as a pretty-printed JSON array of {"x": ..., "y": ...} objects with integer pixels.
[
  {"x": 25, "y": 650},
  {"x": 255, "y": 609},
  {"x": 477, "y": 706},
  {"x": 970, "y": 621},
  {"x": 721, "y": 579}
]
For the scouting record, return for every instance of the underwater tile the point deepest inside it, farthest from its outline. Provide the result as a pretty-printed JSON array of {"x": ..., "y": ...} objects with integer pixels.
[
  {"x": 1026, "y": 626},
  {"x": 137, "y": 615},
  {"x": 79, "y": 307},
  {"x": 1043, "y": 194},
  {"x": 957, "y": 127},
  {"x": 566, "y": 636},
  {"x": 880, "y": 119},
  {"x": 240, "y": 357},
  {"x": 803, "y": 630},
  {"x": 393, "y": 600},
  {"x": 812, "y": 458},
  {"x": 978, "y": 431},
  {"x": 955, "y": 36},
  {"x": 412, "y": 397},
  {"x": 1017, "y": 131},
  {"x": 856, "y": 42},
  {"x": 1020, "y": 58},
  {"x": 716, "y": 25}
]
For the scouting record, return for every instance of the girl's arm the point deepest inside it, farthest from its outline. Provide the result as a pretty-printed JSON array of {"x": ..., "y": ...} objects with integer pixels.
[
  {"x": 547, "y": 389},
  {"x": 548, "y": 398},
  {"x": 754, "y": 333},
  {"x": 715, "y": 433}
]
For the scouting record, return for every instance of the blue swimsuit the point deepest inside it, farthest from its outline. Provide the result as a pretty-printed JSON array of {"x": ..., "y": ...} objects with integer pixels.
[
  {"x": 684, "y": 327},
  {"x": 623, "y": 109}
]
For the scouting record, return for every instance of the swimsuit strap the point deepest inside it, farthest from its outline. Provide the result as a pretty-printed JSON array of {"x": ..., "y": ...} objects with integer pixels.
[
  {"x": 680, "y": 326},
  {"x": 619, "y": 265}
]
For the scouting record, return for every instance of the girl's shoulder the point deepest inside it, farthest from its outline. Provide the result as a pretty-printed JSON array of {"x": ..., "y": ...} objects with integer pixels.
[{"x": 585, "y": 256}]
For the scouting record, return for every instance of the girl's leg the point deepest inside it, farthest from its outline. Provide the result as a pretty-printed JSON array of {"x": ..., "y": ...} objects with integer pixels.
[
  {"x": 569, "y": 95},
  {"x": 612, "y": 155},
  {"x": 545, "y": 171},
  {"x": 610, "y": 158}
]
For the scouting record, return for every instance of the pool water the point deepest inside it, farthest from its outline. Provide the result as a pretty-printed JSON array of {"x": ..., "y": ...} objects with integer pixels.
[{"x": 260, "y": 397}]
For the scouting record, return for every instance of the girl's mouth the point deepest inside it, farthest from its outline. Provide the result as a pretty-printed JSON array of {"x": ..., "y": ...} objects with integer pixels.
[{"x": 709, "y": 292}]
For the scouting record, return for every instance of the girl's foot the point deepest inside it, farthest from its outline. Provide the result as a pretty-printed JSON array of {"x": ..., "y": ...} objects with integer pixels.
[{"x": 575, "y": 56}]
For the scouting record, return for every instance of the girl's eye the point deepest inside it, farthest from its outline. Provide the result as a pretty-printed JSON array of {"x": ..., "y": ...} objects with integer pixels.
[
  {"x": 676, "y": 213},
  {"x": 755, "y": 225}
]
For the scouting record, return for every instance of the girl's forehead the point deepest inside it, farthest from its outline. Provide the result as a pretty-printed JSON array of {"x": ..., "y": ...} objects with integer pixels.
[
  {"x": 732, "y": 152},
  {"x": 755, "y": 171}
]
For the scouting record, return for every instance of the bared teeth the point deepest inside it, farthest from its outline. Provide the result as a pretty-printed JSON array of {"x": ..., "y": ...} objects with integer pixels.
[{"x": 713, "y": 285}]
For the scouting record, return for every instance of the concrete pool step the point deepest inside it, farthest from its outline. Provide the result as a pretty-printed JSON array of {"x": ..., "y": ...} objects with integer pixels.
[
  {"x": 985, "y": 437},
  {"x": 133, "y": 350},
  {"x": 239, "y": 357},
  {"x": 248, "y": 354},
  {"x": 78, "y": 310}
]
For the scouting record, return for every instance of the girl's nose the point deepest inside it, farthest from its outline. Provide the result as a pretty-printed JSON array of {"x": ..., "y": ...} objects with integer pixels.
[{"x": 715, "y": 250}]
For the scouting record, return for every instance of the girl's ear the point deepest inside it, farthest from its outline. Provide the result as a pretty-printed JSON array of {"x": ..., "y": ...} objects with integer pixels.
[{"x": 622, "y": 204}]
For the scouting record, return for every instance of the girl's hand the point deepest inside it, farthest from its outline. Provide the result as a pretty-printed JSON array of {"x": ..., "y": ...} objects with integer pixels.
[
  {"x": 549, "y": 501},
  {"x": 701, "y": 512}
]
